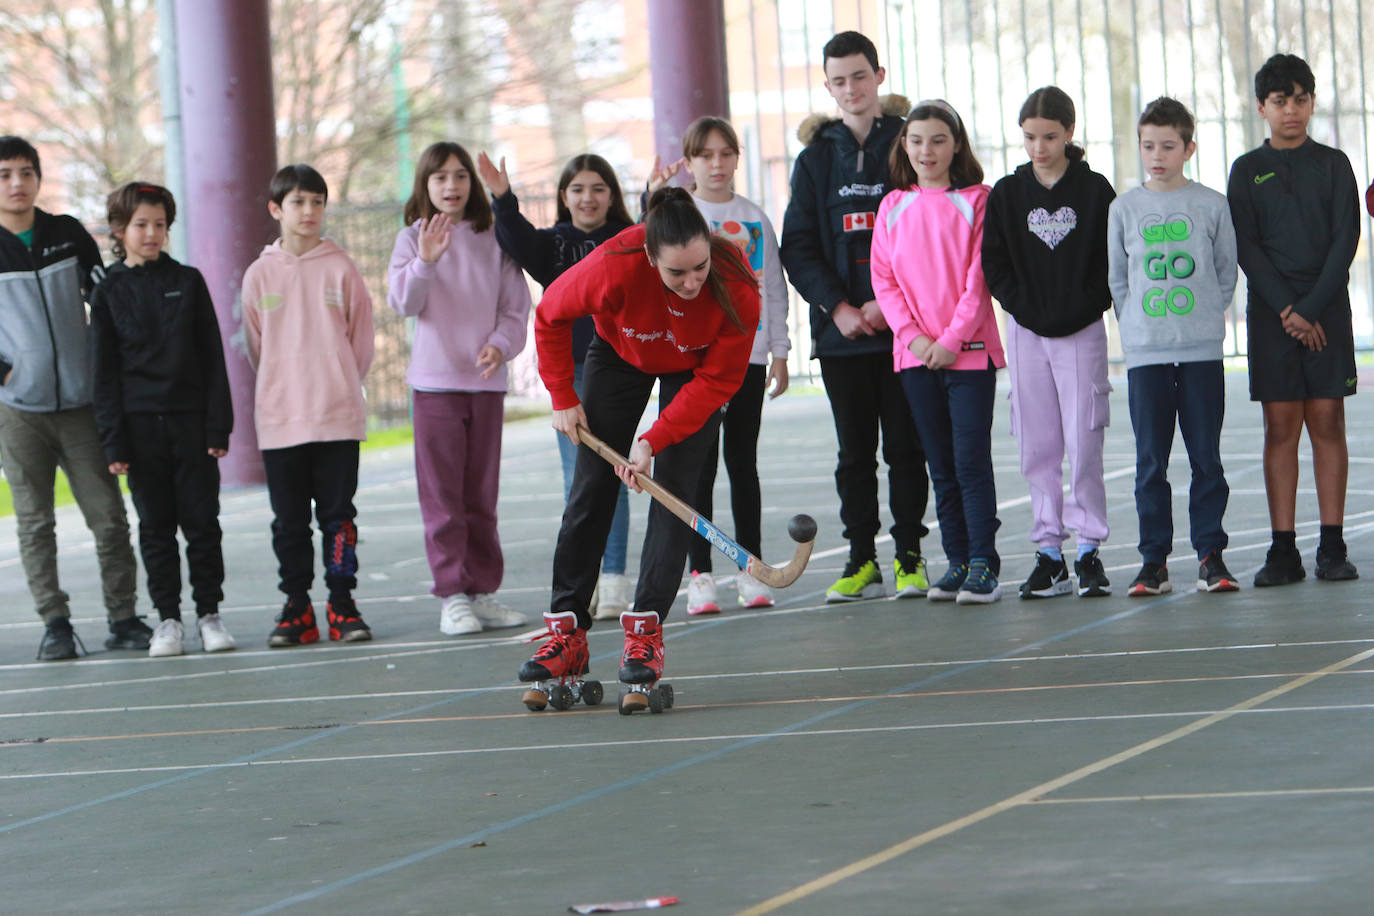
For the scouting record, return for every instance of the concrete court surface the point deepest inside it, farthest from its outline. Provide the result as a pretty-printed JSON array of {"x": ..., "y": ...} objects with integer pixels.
[{"x": 1184, "y": 754}]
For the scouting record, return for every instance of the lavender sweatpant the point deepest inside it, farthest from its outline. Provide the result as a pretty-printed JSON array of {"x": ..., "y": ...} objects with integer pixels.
[
  {"x": 458, "y": 469},
  {"x": 1059, "y": 405}
]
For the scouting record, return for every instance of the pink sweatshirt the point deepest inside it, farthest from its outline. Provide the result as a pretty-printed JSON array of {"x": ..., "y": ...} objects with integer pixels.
[
  {"x": 307, "y": 323},
  {"x": 473, "y": 296},
  {"x": 928, "y": 275}
]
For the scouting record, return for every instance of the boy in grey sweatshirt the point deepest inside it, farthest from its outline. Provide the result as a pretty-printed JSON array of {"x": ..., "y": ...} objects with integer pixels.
[{"x": 1171, "y": 252}]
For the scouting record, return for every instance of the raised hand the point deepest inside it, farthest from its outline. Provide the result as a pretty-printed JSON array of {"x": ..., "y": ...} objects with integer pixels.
[
  {"x": 662, "y": 174},
  {"x": 496, "y": 180},
  {"x": 435, "y": 235}
]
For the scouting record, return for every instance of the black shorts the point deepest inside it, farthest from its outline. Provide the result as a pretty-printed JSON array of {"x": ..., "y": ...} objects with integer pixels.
[{"x": 1282, "y": 369}]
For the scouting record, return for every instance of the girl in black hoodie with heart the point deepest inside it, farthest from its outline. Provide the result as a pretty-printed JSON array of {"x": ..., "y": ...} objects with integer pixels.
[{"x": 1045, "y": 260}]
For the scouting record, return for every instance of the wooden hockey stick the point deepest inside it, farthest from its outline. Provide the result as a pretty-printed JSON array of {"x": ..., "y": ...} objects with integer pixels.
[{"x": 801, "y": 528}]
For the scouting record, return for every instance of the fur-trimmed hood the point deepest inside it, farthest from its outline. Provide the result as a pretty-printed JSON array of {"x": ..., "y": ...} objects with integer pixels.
[{"x": 810, "y": 128}]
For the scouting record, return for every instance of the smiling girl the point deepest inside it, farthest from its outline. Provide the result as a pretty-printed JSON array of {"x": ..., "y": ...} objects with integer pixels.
[
  {"x": 928, "y": 277},
  {"x": 591, "y": 209},
  {"x": 471, "y": 307}
]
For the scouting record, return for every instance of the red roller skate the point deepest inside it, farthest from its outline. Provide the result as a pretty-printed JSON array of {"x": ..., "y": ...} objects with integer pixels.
[
  {"x": 642, "y": 665},
  {"x": 556, "y": 669}
]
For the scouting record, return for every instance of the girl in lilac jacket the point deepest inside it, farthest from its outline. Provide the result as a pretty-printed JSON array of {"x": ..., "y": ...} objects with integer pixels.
[
  {"x": 928, "y": 279},
  {"x": 471, "y": 306}
]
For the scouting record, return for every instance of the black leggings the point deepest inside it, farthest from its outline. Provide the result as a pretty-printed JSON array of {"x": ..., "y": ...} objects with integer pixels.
[
  {"x": 614, "y": 395},
  {"x": 739, "y": 429}
]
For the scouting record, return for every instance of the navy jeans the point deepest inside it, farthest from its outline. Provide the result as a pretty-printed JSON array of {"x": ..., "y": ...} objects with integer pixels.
[
  {"x": 953, "y": 413},
  {"x": 1195, "y": 394}
]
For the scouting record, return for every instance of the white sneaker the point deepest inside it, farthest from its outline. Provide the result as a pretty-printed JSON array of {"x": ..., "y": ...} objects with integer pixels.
[
  {"x": 166, "y": 640},
  {"x": 701, "y": 595},
  {"x": 614, "y": 592},
  {"x": 213, "y": 635},
  {"x": 457, "y": 618},
  {"x": 752, "y": 592},
  {"x": 494, "y": 614}
]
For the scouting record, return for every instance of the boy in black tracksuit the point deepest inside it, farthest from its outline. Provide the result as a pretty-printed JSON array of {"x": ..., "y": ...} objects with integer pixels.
[
  {"x": 163, "y": 409},
  {"x": 1295, "y": 205},
  {"x": 837, "y": 184}
]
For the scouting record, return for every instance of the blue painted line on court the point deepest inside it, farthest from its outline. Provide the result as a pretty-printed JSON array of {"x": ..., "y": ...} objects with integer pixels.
[{"x": 658, "y": 773}]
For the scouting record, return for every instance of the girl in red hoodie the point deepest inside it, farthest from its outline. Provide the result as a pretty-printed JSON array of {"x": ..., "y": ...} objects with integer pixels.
[{"x": 672, "y": 304}]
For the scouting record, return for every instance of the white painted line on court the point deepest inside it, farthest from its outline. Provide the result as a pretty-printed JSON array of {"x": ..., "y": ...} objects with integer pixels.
[
  {"x": 1207, "y": 796},
  {"x": 897, "y": 850},
  {"x": 1201, "y": 715}
]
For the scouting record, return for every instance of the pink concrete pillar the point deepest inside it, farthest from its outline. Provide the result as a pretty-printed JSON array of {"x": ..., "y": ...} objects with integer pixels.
[
  {"x": 229, "y": 138},
  {"x": 687, "y": 66}
]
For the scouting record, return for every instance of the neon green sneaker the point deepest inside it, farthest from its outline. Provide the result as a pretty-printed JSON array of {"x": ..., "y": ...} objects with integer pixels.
[
  {"x": 860, "y": 581},
  {"x": 911, "y": 583}
]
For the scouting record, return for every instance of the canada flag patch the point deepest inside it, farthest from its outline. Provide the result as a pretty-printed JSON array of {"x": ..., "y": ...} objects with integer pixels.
[{"x": 857, "y": 222}]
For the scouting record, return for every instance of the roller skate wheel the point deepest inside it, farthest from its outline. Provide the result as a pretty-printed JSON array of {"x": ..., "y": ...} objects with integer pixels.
[
  {"x": 592, "y": 693},
  {"x": 655, "y": 700},
  {"x": 632, "y": 701},
  {"x": 535, "y": 700},
  {"x": 667, "y": 691},
  {"x": 561, "y": 697}
]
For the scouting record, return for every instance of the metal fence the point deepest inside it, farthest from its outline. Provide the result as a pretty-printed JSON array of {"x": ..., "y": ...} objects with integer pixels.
[{"x": 985, "y": 56}]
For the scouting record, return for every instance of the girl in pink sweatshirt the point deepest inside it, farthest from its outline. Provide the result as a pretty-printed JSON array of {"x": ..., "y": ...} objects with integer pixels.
[
  {"x": 928, "y": 279},
  {"x": 471, "y": 307}
]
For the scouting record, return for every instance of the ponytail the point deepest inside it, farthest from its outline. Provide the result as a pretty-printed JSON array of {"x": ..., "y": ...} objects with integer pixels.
[
  {"x": 672, "y": 218},
  {"x": 1052, "y": 104}
]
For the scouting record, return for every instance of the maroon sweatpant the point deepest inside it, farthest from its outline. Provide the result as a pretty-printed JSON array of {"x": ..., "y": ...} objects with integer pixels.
[{"x": 458, "y": 469}]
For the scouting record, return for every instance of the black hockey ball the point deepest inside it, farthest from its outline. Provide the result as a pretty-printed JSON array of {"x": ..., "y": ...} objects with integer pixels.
[{"x": 802, "y": 528}]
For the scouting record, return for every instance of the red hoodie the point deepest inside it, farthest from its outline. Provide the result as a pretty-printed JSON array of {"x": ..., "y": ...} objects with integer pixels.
[{"x": 651, "y": 328}]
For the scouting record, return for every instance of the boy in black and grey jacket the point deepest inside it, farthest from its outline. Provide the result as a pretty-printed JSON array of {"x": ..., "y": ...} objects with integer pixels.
[
  {"x": 837, "y": 183},
  {"x": 48, "y": 265},
  {"x": 163, "y": 409}
]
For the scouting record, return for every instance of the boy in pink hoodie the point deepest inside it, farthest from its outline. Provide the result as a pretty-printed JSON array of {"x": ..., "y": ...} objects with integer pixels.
[{"x": 307, "y": 321}]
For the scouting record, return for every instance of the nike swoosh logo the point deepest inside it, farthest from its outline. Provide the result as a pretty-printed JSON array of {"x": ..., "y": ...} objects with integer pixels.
[
  {"x": 1261, "y": 179},
  {"x": 1350, "y": 382}
]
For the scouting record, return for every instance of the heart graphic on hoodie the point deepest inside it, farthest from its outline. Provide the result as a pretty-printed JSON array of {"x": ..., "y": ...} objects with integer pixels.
[{"x": 1052, "y": 227}]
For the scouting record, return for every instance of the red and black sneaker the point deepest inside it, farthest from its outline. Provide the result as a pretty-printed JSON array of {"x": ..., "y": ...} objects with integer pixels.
[
  {"x": 295, "y": 625},
  {"x": 345, "y": 623},
  {"x": 642, "y": 661},
  {"x": 1213, "y": 576},
  {"x": 564, "y": 652}
]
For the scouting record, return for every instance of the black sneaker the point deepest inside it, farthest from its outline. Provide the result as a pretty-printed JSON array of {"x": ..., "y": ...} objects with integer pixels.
[
  {"x": 1153, "y": 579},
  {"x": 345, "y": 623},
  {"x": 1049, "y": 578},
  {"x": 1213, "y": 576},
  {"x": 1092, "y": 578},
  {"x": 59, "y": 642},
  {"x": 295, "y": 625},
  {"x": 129, "y": 633},
  {"x": 1281, "y": 567},
  {"x": 1335, "y": 566}
]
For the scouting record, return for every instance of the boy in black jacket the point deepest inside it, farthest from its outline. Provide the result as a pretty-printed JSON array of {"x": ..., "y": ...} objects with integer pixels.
[
  {"x": 49, "y": 264},
  {"x": 1296, "y": 209},
  {"x": 163, "y": 408},
  {"x": 837, "y": 184}
]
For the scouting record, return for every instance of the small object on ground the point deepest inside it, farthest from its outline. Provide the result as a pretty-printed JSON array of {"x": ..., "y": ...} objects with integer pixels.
[{"x": 652, "y": 903}]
